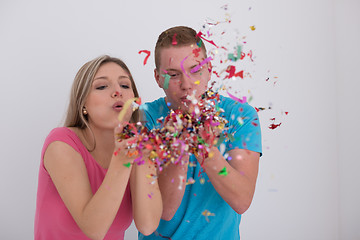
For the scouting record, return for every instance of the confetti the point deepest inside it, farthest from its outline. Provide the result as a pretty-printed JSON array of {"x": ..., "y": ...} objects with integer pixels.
[
  {"x": 231, "y": 70},
  {"x": 211, "y": 42},
  {"x": 190, "y": 181},
  {"x": 179, "y": 134},
  {"x": 207, "y": 213},
  {"x": 243, "y": 100},
  {"x": 166, "y": 80},
  {"x": 127, "y": 164},
  {"x": 206, "y": 60},
  {"x": 182, "y": 66},
  {"x": 174, "y": 42},
  {"x": 126, "y": 106},
  {"x": 147, "y": 52},
  {"x": 196, "y": 51},
  {"x": 223, "y": 172},
  {"x": 238, "y": 55},
  {"x": 273, "y": 126}
]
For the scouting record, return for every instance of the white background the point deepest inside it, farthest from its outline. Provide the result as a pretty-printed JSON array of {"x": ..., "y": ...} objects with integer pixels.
[{"x": 308, "y": 185}]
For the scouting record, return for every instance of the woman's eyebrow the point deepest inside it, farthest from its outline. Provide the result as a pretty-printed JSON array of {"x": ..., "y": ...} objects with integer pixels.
[{"x": 100, "y": 78}]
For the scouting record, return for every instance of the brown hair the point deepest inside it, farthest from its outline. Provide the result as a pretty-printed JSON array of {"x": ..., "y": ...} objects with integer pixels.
[
  {"x": 183, "y": 35},
  {"x": 81, "y": 88}
]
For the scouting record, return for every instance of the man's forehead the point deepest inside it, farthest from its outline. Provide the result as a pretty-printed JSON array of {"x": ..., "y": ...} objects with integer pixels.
[{"x": 177, "y": 55}]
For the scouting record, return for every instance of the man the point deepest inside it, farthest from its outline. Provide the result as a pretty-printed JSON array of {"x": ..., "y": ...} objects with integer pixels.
[{"x": 211, "y": 207}]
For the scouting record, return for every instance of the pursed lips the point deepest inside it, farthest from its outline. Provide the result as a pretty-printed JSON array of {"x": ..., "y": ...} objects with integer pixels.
[{"x": 117, "y": 106}]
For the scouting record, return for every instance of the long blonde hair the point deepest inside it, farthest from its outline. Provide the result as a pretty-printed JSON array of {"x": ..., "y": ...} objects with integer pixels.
[{"x": 81, "y": 88}]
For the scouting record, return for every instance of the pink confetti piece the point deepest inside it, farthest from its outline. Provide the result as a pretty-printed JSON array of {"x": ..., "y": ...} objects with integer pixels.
[
  {"x": 243, "y": 100},
  {"x": 206, "y": 60},
  {"x": 182, "y": 66},
  {"x": 174, "y": 42}
]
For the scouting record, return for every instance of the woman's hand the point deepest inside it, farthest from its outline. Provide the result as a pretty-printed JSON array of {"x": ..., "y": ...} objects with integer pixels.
[{"x": 125, "y": 149}]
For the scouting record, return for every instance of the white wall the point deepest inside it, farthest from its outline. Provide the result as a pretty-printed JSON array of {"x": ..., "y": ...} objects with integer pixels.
[
  {"x": 308, "y": 180},
  {"x": 347, "y": 27}
]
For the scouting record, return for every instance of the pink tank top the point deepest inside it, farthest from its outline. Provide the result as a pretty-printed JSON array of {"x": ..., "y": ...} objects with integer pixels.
[{"x": 53, "y": 220}]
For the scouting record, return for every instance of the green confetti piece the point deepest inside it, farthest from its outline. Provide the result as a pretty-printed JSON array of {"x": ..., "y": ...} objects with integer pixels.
[
  {"x": 220, "y": 140},
  {"x": 217, "y": 108},
  {"x": 231, "y": 137},
  {"x": 166, "y": 80},
  {"x": 232, "y": 57},
  {"x": 127, "y": 164},
  {"x": 223, "y": 172},
  {"x": 200, "y": 140}
]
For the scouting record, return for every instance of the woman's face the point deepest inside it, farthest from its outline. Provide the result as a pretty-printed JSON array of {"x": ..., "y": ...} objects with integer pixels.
[{"x": 110, "y": 89}]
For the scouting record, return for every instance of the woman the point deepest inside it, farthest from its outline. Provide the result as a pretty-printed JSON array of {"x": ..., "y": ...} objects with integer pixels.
[{"x": 89, "y": 187}]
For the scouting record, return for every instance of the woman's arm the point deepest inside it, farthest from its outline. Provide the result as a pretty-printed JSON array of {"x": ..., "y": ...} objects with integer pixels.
[
  {"x": 146, "y": 197},
  {"x": 93, "y": 213}
]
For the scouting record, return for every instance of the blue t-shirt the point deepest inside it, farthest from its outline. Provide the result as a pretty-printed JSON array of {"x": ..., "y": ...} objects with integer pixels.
[{"x": 203, "y": 214}]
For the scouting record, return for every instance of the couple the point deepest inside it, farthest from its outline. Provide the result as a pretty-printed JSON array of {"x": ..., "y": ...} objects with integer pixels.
[{"x": 86, "y": 191}]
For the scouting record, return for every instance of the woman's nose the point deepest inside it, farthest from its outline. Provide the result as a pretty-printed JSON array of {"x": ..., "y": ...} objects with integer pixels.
[{"x": 115, "y": 94}]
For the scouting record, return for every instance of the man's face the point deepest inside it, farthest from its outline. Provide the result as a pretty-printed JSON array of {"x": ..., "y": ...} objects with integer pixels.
[{"x": 187, "y": 79}]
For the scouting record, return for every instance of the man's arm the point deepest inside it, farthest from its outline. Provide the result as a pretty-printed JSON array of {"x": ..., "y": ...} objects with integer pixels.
[{"x": 236, "y": 185}]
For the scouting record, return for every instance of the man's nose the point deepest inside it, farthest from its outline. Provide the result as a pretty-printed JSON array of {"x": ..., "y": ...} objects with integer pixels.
[{"x": 186, "y": 83}]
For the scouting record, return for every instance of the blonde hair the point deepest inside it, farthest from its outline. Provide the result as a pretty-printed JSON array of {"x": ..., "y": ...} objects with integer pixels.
[{"x": 81, "y": 88}]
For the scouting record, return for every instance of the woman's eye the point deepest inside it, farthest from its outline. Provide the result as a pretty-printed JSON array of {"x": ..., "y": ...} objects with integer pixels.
[
  {"x": 101, "y": 87},
  {"x": 125, "y": 86}
]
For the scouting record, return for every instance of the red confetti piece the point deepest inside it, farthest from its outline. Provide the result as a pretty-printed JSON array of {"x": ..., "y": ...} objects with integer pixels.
[
  {"x": 146, "y": 52},
  {"x": 196, "y": 51},
  {"x": 211, "y": 42},
  {"x": 174, "y": 42},
  {"x": 216, "y": 74},
  {"x": 273, "y": 125},
  {"x": 231, "y": 70}
]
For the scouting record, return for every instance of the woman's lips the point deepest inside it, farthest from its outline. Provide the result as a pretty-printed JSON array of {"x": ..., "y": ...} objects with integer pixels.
[{"x": 118, "y": 106}]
